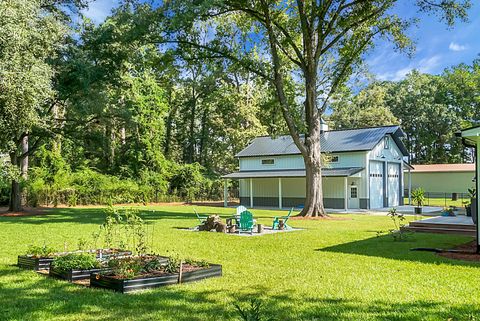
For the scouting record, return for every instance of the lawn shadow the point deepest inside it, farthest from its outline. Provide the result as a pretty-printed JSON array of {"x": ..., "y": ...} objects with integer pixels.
[
  {"x": 97, "y": 215},
  {"x": 28, "y": 297},
  {"x": 384, "y": 246}
]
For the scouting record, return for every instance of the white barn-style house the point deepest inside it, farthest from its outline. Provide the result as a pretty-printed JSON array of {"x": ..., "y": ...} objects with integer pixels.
[{"x": 365, "y": 170}]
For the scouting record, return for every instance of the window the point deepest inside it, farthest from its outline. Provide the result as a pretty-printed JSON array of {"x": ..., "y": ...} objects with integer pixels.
[
  {"x": 334, "y": 159},
  {"x": 386, "y": 142},
  {"x": 269, "y": 161},
  {"x": 353, "y": 192}
]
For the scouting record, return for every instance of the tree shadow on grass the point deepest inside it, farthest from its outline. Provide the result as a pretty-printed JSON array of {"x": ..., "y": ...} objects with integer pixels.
[
  {"x": 385, "y": 247},
  {"x": 26, "y": 296},
  {"x": 97, "y": 215}
]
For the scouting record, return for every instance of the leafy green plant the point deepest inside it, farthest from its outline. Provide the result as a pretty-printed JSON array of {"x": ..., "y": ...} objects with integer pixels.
[
  {"x": 398, "y": 219},
  {"x": 173, "y": 264},
  {"x": 418, "y": 196},
  {"x": 80, "y": 261},
  {"x": 472, "y": 192},
  {"x": 153, "y": 264},
  {"x": 201, "y": 263},
  {"x": 40, "y": 251},
  {"x": 126, "y": 267},
  {"x": 253, "y": 311}
]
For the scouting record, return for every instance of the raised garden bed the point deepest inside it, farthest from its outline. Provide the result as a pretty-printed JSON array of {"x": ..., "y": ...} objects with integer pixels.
[
  {"x": 74, "y": 274},
  {"x": 153, "y": 280},
  {"x": 32, "y": 262}
]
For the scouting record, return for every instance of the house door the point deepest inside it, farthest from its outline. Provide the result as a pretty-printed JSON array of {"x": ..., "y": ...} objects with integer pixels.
[
  {"x": 353, "y": 201},
  {"x": 376, "y": 184},
  {"x": 393, "y": 184}
]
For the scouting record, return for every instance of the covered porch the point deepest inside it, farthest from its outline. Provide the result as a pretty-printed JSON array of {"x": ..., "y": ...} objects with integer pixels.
[
  {"x": 343, "y": 188},
  {"x": 471, "y": 138}
]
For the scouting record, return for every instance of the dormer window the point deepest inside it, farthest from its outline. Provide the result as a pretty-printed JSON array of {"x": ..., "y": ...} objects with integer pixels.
[
  {"x": 268, "y": 161},
  {"x": 386, "y": 142}
]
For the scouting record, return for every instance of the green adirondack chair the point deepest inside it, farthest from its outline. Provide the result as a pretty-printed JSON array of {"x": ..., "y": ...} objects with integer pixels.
[
  {"x": 200, "y": 218},
  {"x": 246, "y": 221},
  {"x": 276, "y": 221}
]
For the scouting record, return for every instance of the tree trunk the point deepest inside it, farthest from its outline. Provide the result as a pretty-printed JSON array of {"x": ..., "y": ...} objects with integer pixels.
[
  {"x": 313, "y": 179},
  {"x": 15, "y": 204}
]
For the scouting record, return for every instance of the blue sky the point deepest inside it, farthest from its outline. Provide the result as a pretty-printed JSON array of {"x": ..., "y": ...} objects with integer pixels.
[{"x": 437, "y": 46}]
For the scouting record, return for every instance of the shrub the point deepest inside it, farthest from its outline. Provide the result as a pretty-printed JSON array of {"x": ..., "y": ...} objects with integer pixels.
[{"x": 80, "y": 261}]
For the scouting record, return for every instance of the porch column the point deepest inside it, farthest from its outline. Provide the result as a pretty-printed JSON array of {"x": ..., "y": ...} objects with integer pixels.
[
  {"x": 477, "y": 182},
  {"x": 280, "y": 193},
  {"x": 409, "y": 186},
  {"x": 251, "y": 192},
  {"x": 225, "y": 193},
  {"x": 345, "y": 184}
]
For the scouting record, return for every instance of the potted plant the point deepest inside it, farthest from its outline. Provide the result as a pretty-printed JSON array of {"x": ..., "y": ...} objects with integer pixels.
[
  {"x": 473, "y": 204},
  {"x": 418, "y": 197}
]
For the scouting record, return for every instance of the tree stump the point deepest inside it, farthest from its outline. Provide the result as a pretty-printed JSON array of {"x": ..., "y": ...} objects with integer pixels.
[
  {"x": 221, "y": 227},
  {"x": 281, "y": 225},
  {"x": 210, "y": 223},
  {"x": 232, "y": 229}
]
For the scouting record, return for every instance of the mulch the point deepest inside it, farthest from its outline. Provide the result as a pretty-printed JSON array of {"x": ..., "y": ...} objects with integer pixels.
[
  {"x": 466, "y": 252},
  {"x": 26, "y": 212},
  {"x": 319, "y": 218}
]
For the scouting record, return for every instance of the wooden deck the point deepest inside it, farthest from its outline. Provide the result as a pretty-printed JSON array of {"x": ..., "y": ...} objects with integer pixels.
[{"x": 459, "y": 225}]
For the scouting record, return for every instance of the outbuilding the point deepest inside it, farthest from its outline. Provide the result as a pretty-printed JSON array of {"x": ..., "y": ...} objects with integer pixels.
[
  {"x": 442, "y": 180},
  {"x": 364, "y": 170}
]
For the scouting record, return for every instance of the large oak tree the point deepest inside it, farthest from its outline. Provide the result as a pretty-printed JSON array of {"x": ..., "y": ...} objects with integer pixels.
[{"x": 305, "y": 49}]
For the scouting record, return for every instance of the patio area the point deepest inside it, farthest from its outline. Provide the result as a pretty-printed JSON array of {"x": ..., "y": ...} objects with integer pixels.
[{"x": 460, "y": 225}]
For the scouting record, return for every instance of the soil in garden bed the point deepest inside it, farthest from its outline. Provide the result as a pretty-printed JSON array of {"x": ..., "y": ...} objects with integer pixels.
[
  {"x": 185, "y": 268},
  {"x": 466, "y": 252}
]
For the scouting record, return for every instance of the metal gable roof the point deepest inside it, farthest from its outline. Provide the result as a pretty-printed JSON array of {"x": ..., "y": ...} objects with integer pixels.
[
  {"x": 335, "y": 141},
  {"x": 326, "y": 172}
]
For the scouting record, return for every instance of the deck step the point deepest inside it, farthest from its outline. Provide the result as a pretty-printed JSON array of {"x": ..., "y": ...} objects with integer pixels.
[
  {"x": 449, "y": 230},
  {"x": 443, "y": 226}
]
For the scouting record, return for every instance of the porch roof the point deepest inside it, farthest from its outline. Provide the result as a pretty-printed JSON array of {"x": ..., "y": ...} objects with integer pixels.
[{"x": 326, "y": 172}]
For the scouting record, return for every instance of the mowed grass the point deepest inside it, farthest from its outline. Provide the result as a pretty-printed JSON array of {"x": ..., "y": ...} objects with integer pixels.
[{"x": 331, "y": 270}]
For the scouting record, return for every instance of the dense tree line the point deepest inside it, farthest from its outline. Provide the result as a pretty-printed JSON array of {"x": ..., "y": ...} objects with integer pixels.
[
  {"x": 154, "y": 102},
  {"x": 430, "y": 109}
]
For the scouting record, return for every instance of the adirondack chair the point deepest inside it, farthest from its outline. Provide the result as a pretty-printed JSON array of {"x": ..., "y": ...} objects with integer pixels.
[
  {"x": 276, "y": 221},
  {"x": 200, "y": 218},
  {"x": 240, "y": 209},
  {"x": 246, "y": 221}
]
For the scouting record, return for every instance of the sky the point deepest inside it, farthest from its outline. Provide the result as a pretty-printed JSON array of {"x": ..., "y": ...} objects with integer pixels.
[{"x": 437, "y": 47}]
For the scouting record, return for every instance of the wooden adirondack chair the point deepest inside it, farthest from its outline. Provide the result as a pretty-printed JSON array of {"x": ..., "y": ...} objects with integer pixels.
[
  {"x": 276, "y": 221},
  {"x": 200, "y": 218},
  {"x": 246, "y": 221}
]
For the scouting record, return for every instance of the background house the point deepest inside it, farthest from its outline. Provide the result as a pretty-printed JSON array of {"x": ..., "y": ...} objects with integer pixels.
[
  {"x": 442, "y": 180},
  {"x": 365, "y": 170}
]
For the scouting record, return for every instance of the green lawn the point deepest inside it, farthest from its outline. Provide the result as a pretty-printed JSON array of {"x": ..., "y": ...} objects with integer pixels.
[{"x": 331, "y": 270}]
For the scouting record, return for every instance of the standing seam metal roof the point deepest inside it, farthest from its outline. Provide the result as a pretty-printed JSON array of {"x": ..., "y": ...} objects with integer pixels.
[{"x": 362, "y": 139}]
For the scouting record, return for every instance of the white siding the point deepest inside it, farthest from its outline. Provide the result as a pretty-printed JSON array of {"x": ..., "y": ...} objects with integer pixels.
[
  {"x": 354, "y": 159},
  {"x": 281, "y": 162}
]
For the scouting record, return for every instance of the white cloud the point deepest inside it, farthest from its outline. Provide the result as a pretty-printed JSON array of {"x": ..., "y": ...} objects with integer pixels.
[
  {"x": 456, "y": 47},
  {"x": 100, "y": 9},
  {"x": 425, "y": 65}
]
